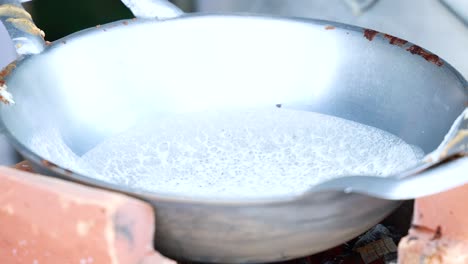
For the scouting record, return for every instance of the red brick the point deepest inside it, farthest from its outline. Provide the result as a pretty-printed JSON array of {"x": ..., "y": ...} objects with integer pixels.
[
  {"x": 439, "y": 232},
  {"x": 47, "y": 220}
]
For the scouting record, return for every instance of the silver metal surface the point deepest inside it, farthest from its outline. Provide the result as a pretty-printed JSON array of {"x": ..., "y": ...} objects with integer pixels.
[
  {"x": 427, "y": 23},
  {"x": 160, "y": 9},
  {"x": 435, "y": 180},
  {"x": 455, "y": 142},
  {"x": 459, "y": 7},
  {"x": 99, "y": 82},
  {"x": 360, "y": 6},
  {"x": 437, "y": 172},
  {"x": 8, "y": 155}
]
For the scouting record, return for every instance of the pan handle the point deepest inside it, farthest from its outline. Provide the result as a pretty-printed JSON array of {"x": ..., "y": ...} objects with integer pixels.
[
  {"x": 159, "y": 9},
  {"x": 27, "y": 38},
  {"x": 441, "y": 178}
]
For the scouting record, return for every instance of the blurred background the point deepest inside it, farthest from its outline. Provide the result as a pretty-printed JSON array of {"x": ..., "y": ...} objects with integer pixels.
[{"x": 440, "y": 26}]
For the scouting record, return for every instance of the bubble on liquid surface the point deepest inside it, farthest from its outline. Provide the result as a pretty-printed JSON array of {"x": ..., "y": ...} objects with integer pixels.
[
  {"x": 257, "y": 153},
  {"x": 49, "y": 145}
]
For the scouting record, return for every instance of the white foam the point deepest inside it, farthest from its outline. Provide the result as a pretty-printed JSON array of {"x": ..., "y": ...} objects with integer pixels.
[
  {"x": 49, "y": 145},
  {"x": 253, "y": 153}
]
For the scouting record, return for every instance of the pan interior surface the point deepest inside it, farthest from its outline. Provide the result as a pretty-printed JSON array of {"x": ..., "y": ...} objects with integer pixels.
[{"x": 192, "y": 72}]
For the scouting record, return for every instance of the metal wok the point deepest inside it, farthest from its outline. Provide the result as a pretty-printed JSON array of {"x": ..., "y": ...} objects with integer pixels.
[{"x": 97, "y": 82}]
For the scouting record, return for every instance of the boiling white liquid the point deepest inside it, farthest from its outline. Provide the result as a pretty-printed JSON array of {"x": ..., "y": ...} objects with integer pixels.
[{"x": 255, "y": 153}]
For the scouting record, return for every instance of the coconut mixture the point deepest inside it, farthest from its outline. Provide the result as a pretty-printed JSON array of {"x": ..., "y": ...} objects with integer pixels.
[{"x": 256, "y": 153}]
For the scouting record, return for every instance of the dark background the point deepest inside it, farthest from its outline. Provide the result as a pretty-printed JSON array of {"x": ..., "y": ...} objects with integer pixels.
[{"x": 58, "y": 18}]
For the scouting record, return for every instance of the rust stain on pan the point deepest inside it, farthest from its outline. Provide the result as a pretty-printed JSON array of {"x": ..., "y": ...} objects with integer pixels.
[
  {"x": 370, "y": 34},
  {"x": 48, "y": 164},
  {"x": 414, "y": 49},
  {"x": 7, "y": 70},
  {"x": 426, "y": 55},
  {"x": 52, "y": 165},
  {"x": 5, "y": 96},
  {"x": 13, "y": 11},
  {"x": 395, "y": 41},
  {"x": 329, "y": 27},
  {"x": 26, "y": 25},
  {"x": 24, "y": 166}
]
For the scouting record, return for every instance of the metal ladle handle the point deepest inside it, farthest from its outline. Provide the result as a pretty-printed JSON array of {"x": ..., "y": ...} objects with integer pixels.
[
  {"x": 29, "y": 39},
  {"x": 455, "y": 141},
  {"x": 160, "y": 9},
  {"x": 26, "y": 36}
]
